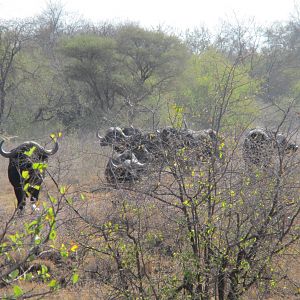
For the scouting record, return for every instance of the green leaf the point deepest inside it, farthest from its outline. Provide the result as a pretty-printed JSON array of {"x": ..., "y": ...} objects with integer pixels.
[
  {"x": 26, "y": 186},
  {"x": 28, "y": 276},
  {"x": 52, "y": 235},
  {"x": 33, "y": 223},
  {"x": 25, "y": 174},
  {"x": 70, "y": 201},
  {"x": 52, "y": 199},
  {"x": 75, "y": 278},
  {"x": 53, "y": 137},
  {"x": 63, "y": 251},
  {"x": 17, "y": 291},
  {"x": 186, "y": 203},
  {"x": 14, "y": 274},
  {"x": 74, "y": 248},
  {"x": 30, "y": 151},
  {"x": 13, "y": 238},
  {"x": 62, "y": 190},
  {"x": 39, "y": 166},
  {"x": 37, "y": 240},
  {"x": 44, "y": 269},
  {"x": 53, "y": 283}
]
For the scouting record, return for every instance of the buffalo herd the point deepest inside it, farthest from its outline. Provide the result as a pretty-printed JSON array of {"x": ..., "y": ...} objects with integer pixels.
[{"x": 135, "y": 152}]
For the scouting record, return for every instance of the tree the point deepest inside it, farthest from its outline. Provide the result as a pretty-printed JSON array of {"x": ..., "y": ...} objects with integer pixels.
[
  {"x": 212, "y": 86},
  {"x": 12, "y": 37},
  {"x": 279, "y": 62},
  {"x": 151, "y": 58},
  {"x": 121, "y": 71},
  {"x": 50, "y": 25},
  {"x": 198, "y": 40},
  {"x": 93, "y": 62}
]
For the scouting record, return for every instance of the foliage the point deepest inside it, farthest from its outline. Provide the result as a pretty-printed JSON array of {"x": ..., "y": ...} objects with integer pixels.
[{"x": 213, "y": 85}]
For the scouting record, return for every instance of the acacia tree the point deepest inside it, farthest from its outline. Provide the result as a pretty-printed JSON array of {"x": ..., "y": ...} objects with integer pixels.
[
  {"x": 93, "y": 62},
  {"x": 124, "y": 69},
  {"x": 152, "y": 58},
  {"x": 212, "y": 87}
]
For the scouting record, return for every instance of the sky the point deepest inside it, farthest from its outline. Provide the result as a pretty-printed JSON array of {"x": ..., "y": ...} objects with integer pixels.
[{"x": 180, "y": 14}]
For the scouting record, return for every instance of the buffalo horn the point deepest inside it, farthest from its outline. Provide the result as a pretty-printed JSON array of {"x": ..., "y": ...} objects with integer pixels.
[
  {"x": 53, "y": 150},
  {"x": 114, "y": 165},
  {"x": 99, "y": 136},
  {"x": 121, "y": 132},
  {"x": 6, "y": 153},
  {"x": 259, "y": 133}
]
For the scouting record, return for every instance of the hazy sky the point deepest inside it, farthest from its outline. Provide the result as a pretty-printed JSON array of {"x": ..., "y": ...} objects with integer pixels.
[{"x": 180, "y": 14}]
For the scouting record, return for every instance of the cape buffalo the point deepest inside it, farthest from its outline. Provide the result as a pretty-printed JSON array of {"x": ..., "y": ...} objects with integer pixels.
[
  {"x": 126, "y": 138},
  {"x": 198, "y": 145},
  {"x": 26, "y": 170},
  {"x": 205, "y": 143},
  {"x": 123, "y": 167},
  {"x": 261, "y": 145},
  {"x": 115, "y": 137}
]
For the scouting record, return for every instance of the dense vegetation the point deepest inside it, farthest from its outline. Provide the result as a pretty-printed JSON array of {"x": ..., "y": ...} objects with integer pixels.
[
  {"x": 58, "y": 74},
  {"x": 213, "y": 230}
]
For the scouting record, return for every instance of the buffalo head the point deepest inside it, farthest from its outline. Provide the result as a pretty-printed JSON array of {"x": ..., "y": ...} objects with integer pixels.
[
  {"x": 113, "y": 136},
  {"x": 261, "y": 146},
  {"x": 123, "y": 167}
]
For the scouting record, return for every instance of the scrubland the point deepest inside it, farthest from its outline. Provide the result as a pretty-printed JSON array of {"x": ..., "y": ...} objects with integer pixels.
[{"x": 154, "y": 239}]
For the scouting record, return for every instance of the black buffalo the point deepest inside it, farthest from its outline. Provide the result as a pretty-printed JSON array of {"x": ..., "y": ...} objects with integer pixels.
[
  {"x": 26, "y": 170},
  {"x": 124, "y": 167},
  {"x": 204, "y": 143},
  {"x": 261, "y": 146},
  {"x": 196, "y": 146},
  {"x": 126, "y": 138},
  {"x": 115, "y": 137}
]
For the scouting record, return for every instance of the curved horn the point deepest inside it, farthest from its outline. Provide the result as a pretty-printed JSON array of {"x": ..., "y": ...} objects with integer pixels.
[
  {"x": 53, "y": 150},
  {"x": 259, "y": 133},
  {"x": 121, "y": 132},
  {"x": 98, "y": 135},
  {"x": 48, "y": 152},
  {"x": 6, "y": 153},
  {"x": 114, "y": 165}
]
